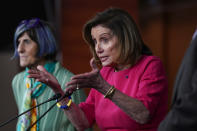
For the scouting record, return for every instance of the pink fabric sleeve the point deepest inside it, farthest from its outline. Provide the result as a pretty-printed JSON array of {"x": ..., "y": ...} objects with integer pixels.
[
  {"x": 153, "y": 86},
  {"x": 88, "y": 107}
]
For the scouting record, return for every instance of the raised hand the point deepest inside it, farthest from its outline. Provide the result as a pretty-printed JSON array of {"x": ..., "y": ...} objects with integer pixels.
[
  {"x": 91, "y": 79},
  {"x": 42, "y": 75}
]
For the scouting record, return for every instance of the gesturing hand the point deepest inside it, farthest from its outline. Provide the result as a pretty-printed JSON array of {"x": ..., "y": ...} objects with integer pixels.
[
  {"x": 91, "y": 79},
  {"x": 42, "y": 75}
]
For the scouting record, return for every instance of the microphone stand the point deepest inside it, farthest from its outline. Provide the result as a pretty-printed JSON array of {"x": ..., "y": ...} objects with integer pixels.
[
  {"x": 56, "y": 96},
  {"x": 66, "y": 95}
]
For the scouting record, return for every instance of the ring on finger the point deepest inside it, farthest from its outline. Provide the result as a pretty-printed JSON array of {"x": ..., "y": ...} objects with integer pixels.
[{"x": 77, "y": 87}]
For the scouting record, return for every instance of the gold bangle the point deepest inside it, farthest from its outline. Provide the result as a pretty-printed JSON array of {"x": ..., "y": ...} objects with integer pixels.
[{"x": 110, "y": 92}]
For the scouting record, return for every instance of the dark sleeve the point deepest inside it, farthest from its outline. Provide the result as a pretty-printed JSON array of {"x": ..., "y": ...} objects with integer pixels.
[{"x": 183, "y": 114}]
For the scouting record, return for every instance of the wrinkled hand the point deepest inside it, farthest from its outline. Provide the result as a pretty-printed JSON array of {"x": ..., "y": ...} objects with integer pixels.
[
  {"x": 91, "y": 79},
  {"x": 42, "y": 75}
]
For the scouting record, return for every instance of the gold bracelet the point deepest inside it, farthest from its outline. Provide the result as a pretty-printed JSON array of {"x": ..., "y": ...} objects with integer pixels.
[{"x": 110, "y": 92}]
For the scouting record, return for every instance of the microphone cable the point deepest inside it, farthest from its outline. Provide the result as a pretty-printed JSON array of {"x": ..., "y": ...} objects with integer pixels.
[
  {"x": 66, "y": 95},
  {"x": 54, "y": 97}
]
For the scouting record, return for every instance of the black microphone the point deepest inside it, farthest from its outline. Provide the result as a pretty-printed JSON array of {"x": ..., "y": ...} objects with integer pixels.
[
  {"x": 67, "y": 94},
  {"x": 54, "y": 97}
]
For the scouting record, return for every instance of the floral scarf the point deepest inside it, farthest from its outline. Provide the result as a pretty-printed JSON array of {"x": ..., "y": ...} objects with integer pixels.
[{"x": 34, "y": 90}]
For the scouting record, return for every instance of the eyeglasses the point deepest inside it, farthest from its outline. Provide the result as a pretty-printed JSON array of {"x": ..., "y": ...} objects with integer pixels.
[{"x": 30, "y": 23}]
